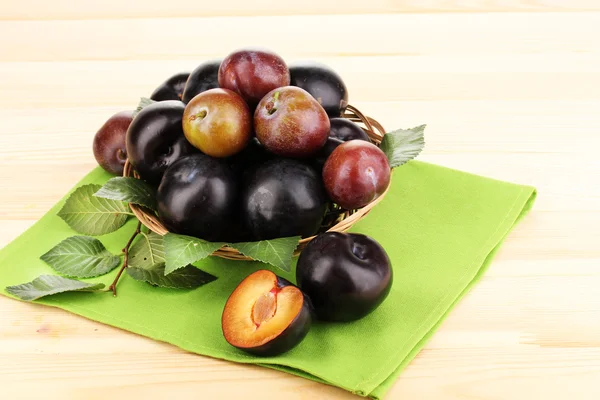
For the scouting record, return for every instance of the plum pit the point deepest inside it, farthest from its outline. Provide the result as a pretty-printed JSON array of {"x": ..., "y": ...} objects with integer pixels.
[{"x": 265, "y": 307}]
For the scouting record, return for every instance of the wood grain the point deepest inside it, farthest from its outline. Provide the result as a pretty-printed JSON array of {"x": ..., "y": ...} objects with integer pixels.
[
  {"x": 171, "y": 39},
  {"x": 90, "y": 9},
  {"x": 509, "y": 89}
]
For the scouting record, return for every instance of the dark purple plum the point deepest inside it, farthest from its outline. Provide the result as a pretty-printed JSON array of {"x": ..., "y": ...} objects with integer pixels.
[
  {"x": 203, "y": 78},
  {"x": 323, "y": 83},
  {"x": 171, "y": 89},
  {"x": 345, "y": 130},
  {"x": 282, "y": 198},
  {"x": 155, "y": 139},
  {"x": 251, "y": 157},
  {"x": 197, "y": 197},
  {"x": 346, "y": 275}
]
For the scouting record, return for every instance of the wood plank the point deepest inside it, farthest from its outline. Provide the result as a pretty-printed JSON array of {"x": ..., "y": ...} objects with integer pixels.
[
  {"x": 337, "y": 35},
  {"x": 121, "y": 84},
  {"x": 89, "y": 9}
]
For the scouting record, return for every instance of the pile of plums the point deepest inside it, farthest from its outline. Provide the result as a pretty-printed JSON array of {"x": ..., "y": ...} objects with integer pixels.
[{"x": 247, "y": 148}]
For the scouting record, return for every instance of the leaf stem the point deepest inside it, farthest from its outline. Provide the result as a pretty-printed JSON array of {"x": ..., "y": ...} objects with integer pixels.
[{"x": 113, "y": 286}]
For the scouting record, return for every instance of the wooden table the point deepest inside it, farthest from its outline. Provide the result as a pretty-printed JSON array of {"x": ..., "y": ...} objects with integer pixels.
[{"x": 509, "y": 89}]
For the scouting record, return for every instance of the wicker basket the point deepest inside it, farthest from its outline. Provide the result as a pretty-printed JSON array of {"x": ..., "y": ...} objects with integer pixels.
[{"x": 344, "y": 221}]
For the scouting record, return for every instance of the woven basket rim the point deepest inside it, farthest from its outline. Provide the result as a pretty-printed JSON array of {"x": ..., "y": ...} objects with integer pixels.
[{"x": 372, "y": 128}]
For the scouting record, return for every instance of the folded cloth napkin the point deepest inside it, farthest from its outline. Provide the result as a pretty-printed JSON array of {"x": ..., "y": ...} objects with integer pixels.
[{"x": 440, "y": 227}]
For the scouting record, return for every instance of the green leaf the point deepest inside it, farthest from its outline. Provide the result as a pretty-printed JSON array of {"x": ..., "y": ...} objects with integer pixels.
[
  {"x": 182, "y": 250},
  {"x": 403, "y": 145},
  {"x": 277, "y": 252},
  {"x": 92, "y": 215},
  {"x": 147, "y": 252},
  {"x": 147, "y": 263},
  {"x": 46, "y": 285},
  {"x": 81, "y": 257},
  {"x": 130, "y": 190},
  {"x": 188, "y": 277},
  {"x": 144, "y": 102}
]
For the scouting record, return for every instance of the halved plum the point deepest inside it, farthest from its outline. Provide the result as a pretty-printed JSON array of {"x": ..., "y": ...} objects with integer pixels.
[{"x": 266, "y": 315}]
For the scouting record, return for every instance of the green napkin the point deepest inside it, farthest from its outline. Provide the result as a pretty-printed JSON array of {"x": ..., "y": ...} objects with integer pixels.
[{"x": 441, "y": 228}]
